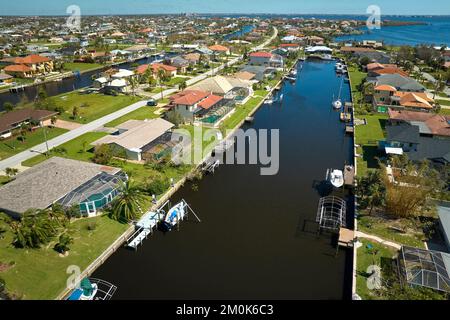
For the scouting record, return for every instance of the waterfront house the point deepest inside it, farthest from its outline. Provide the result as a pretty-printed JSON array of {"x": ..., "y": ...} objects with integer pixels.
[
  {"x": 178, "y": 62},
  {"x": 195, "y": 104},
  {"x": 388, "y": 96},
  {"x": 192, "y": 58},
  {"x": 12, "y": 120},
  {"x": 5, "y": 79},
  {"x": 260, "y": 72},
  {"x": 227, "y": 87},
  {"x": 444, "y": 222},
  {"x": 419, "y": 135},
  {"x": 29, "y": 66},
  {"x": 266, "y": 59},
  {"x": 377, "y": 69},
  {"x": 399, "y": 82},
  {"x": 134, "y": 137},
  {"x": 89, "y": 186}
]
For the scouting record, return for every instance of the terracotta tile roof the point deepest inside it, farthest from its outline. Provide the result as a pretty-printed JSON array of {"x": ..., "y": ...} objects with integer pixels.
[
  {"x": 391, "y": 70},
  {"x": 189, "y": 97},
  {"x": 218, "y": 47},
  {"x": 32, "y": 59},
  {"x": 414, "y": 99},
  {"x": 284, "y": 45},
  {"x": 438, "y": 124},
  {"x": 385, "y": 87},
  {"x": 157, "y": 66},
  {"x": 17, "y": 68},
  {"x": 357, "y": 49},
  {"x": 142, "y": 68},
  {"x": 210, "y": 101},
  {"x": 261, "y": 54}
]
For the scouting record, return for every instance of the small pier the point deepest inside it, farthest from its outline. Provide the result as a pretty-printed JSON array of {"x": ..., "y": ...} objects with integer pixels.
[
  {"x": 346, "y": 114},
  {"x": 144, "y": 227},
  {"x": 210, "y": 167},
  {"x": 349, "y": 176},
  {"x": 349, "y": 129},
  {"x": 346, "y": 238}
]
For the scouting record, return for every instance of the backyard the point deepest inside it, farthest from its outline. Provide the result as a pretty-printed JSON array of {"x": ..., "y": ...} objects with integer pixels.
[
  {"x": 14, "y": 145},
  {"x": 80, "y": 66},
  {"x": 367, "y": 137},
  {"x": 41, "y": 273}
]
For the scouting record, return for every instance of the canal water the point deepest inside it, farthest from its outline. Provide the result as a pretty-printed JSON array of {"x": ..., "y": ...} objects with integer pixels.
[
  {"x": 65, "y": 85},
  {"x": 239, "y": 33},
  {"x": 258, "y": 238}
]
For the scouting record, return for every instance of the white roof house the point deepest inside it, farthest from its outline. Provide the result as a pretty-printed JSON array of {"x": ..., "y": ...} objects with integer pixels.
[
  {"x": 123, "y": 73},
  {"x": 136, "y": 135}
]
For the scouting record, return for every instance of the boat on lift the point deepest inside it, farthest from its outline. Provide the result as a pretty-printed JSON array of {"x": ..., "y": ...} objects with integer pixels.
[
  {"x": 174, "y": 216},
  {"x": 336, "y": 178},
  {"x": 93, "y": 289}
]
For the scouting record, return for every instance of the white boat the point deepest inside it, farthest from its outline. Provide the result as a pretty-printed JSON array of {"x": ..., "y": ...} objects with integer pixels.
[
  {"x": 93, "y": 289},
  {"x": 294, "y": 72},
  {"x": 337, "y": 178},
  {"x": 175, "y": 214},
  {"x": 337, "y": 104}
]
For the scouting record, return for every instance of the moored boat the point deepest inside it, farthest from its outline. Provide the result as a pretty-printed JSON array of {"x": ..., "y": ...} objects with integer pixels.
[{"x": 336, "y": 178}]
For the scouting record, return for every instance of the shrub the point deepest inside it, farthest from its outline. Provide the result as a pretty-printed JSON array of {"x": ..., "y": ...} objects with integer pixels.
[
  {"x": 63, "y": 245},
  {"x": 91, "y": 226},
  {"x": 157, "y": 186},
  {"x": 102, "y": 154}
]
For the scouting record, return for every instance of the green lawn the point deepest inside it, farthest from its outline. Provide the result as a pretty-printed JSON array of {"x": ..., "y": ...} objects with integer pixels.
[
  {"x": 379, "y": 255},
  {"x": 356, "y": 78},
  {"x": 139, "y": 114},
  {"x": 243, "y": 111},
  {"x": 91, "y": 106},
  {"x": 41, "y": 273},
  {"x": 367, "y": 136},
  {"x": 13, "y": 145},
  {"x": 175, "y": 81},
  {"x": 74, "y": 149},
  {"x": 444, "y": 112},
  {"x": 378, "y": 226},
  {"x": 80, "y": 66},
  {"x": 443, "y": 102}
]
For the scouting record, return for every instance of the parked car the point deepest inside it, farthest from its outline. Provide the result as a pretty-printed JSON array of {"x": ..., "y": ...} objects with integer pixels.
[{"x": 152, "y": 103}]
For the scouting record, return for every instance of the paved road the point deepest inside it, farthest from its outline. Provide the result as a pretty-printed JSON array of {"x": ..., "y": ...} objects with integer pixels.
[{"x": 41, "y": 148}]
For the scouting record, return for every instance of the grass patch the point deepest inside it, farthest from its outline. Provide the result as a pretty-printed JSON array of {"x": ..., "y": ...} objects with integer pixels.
[
  {"x": 175, "y": 81},
  {"x": 367, "y": 136},
  {"x": 4, "y": 180},
  {"x": 14, "y": 145},
  {"x": 244, "y": 110},
  {"x": 379, "y": 255},
  {"x": 90, "y": 106},
  {"x": 139, "y": 114},
  {"x": 445, "y": 112},
  {"x": 79, "y": 66},
  {"x": 77, "y": 149},
  {"x": 41, "y": 273},
  {"x": 414, "y": 235}
]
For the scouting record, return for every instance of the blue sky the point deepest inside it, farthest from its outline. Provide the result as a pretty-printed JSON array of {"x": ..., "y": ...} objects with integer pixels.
[{"x": 58, "y": 7}]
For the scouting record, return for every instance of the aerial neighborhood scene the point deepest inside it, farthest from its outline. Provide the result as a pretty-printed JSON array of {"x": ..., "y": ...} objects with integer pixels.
[{"x": 289, "y": 150}]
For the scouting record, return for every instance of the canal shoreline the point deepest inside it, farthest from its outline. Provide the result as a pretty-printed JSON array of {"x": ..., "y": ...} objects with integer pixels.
[{"x": 123, "y": 238}]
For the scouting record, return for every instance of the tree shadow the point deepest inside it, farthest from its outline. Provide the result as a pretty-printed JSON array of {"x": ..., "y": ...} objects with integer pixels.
[
  {"x": 323, "y": 188},
  {"x": 383, "y": 123},
  {"x": 370, "y": 154}
]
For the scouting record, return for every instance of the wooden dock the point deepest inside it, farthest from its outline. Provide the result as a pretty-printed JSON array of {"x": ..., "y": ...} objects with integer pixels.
[
  {"x": 346, "y": 238},
  {"x": 346, "y": 114},
  {"x": 349, "y": 176},
  {"x": 349, "y": 129}
]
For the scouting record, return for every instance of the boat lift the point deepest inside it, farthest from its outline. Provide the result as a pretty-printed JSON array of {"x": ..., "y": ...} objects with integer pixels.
[{"x": 149, "y": 221}]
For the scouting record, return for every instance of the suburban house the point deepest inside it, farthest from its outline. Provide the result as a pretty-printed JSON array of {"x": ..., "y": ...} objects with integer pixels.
[
  {"x": 227, "y": 87},
  {"x": 399, "y": 82},
  {"x": 14, "y": 119},
  {"x": 5, "y": 79},
  {"x": 377, "y": 69},
  {"x": 420, "y": 135},
  {"x": 89, "y": 186},
  {"x": 387, "y": 96},
  {"x": 169, "y": 71},
  {"x": 218, "y": 49},
  {"x": 135, "y": 138},
  {"x": 178, "y": 62},
  {"x": 260, "y": 72},
  {"x": 192, "y": 58},
  {"x": 29, "y": 66},
  {"x": 266, "y": 59},
  {"x": 195, "y": 105},
  {"x": 244, "y": 75},
  {"x": 444, "y": 222},
  {"x": 115, "y": 80}
]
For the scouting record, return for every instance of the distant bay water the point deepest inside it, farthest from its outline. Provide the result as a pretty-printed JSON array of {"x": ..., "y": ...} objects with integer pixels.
[{"x": 435, "y": 31}]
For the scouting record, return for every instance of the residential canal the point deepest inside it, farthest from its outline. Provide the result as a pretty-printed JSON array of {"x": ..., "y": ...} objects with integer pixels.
[
  {"x": 257, "y": 238},
  {"x": 65, "y": 85}
]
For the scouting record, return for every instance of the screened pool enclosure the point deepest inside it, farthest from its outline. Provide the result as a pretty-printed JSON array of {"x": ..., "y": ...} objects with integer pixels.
[
  {"x": 95, "y": 194},
  {"x": 425, "y": 268}
]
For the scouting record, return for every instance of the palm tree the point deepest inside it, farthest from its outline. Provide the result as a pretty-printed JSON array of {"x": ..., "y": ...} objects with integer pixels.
[
  {"x": 23, "y": 131},
  {"x": 75, "y": 112},
  {"x": 127, "y": 206},
  {"x": 182, "y": 85}
]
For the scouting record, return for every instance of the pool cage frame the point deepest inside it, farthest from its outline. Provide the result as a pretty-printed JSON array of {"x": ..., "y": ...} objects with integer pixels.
[
  {"x": 103, "y": 184},
  {"x": 331, "y": 213},
  {"x": 425, "y": 268}
]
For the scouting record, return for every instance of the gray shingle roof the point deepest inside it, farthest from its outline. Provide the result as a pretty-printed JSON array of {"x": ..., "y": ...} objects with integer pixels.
[{"x": 40, "y": 186}]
